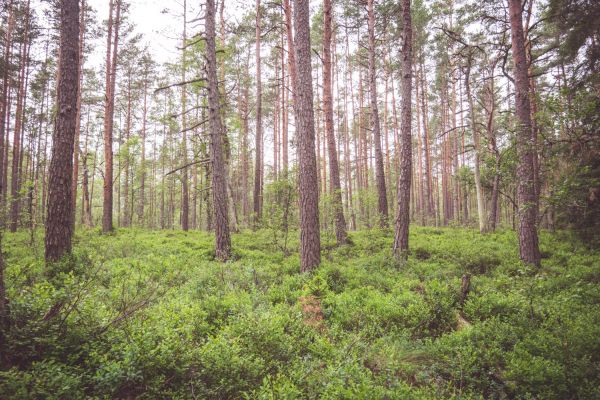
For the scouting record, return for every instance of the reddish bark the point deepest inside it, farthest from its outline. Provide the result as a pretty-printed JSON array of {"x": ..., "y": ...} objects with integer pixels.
[
  {"x": 334, "y": 169},
  {"x": 219, "y": 177},
  {"x": 379, "y": 173},
  {"x": 310, "y": 241},
  {"x": 59, "y": 226},
  {"x": 528, "y": 238}
]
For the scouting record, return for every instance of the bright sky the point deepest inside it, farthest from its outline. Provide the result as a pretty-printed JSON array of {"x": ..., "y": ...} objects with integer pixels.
[
  {"x": 157, "y": 20},
  {"x": 160, "y": 21}
]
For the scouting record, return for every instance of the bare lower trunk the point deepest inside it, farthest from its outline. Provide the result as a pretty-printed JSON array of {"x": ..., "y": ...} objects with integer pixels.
[
  {"x": 310, "y": 241},
  {"x": 111, "y": 72},
  {"x": 185, "y": 198},
  {"x": 219, "y": 177},
  {"x": 379, "y": 173},
  {"x": 476, "y": 144},
  {"x": 334, "y": 169},
  {"x": 78, "y": 119},
  {"x": 59, "y": 227},
  {"x": 528, "y": 238},
  {"x": 15, "y": 175},
  {"x": 404, "y": 180},
  {"x": 258, "y": 170}
]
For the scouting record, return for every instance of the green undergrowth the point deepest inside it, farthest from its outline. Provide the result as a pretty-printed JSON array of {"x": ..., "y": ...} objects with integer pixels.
[{"x": 151, "y": 314}]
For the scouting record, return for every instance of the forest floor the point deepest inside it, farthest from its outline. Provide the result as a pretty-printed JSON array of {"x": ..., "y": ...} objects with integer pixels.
[{"x": 150, "y": 314}]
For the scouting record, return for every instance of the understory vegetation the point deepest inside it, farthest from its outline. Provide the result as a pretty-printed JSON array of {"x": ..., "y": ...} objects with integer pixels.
[{"x": 151, "y": 315}]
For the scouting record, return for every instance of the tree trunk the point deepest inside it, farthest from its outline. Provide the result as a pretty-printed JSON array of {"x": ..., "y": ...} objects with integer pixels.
[
  {"x": 185, "y": 197},
  {"x": 310, "y": 241},
  {"x": 140, "y": 210},
  {"x": 528, "y": 238},
  {"x": 379, "y": 173},
  {"x": 126, "y": 167},
  {"x": 111, "y": 72},
  {"x": 492, "y": 146},
  {"x": 219, "y": 178},
  {"x": 244, "y": 110},
  {"x": 334, "y": 169},
  {"x": 15, "y": 176},
  {"x": 258, "y": 169},
  {"x": 428, "y": 177},
  {"x": 4, "y": 105},
  {"x": 404, "y": 180},
  {"x": 477, "y": 146},
  {"x": 59, "y": 227},
  {"x": 78, "y": 119}
]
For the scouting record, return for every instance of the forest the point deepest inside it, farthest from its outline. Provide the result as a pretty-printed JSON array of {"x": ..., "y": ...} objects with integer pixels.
[{"x": 300, "y": 199}]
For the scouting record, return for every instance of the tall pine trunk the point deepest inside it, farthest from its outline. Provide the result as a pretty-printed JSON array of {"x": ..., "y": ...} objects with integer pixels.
[
  {"x": 528, "y": 238},
  {"x": 111, "y": 72},
  {"x": 59, "y": 227},
  {"x": 78, "y": 119},
  {"x": 477, "y": 146},
  {"x": 404, "y": 180},
  {"x": 334, "y": 169},
  {"x": 258, "y": 169},
  {"x": 379, "y": 173},
  {"x": 310, "y": 241},
  {"x": 185, "y": 197},
  {"x": 219, "y": 177},
  {"x": 17, "y": 133}
]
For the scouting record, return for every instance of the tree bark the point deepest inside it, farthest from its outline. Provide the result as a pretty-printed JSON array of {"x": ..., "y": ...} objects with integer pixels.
[
  {"x": 428, "y": 178},
  {"x": 404, "y": 180},
  {"x": 5, "y": 99},
  {"x": 15, "y": 176},
  {"x": 59, "y": 227},
  {"x": 528, "y": 238},
  {"x": 140, "y": 210},
  {"x": 111, "y": 72},
  {"x": 492, "y": 146},
  {"x": 310, "y": 241},
  {"x": 379, "y": 172},
  {"x": 334, "y": 169},
  {"x": 477, "y": 146},
  {"x": 258, "y": 169},
  {"x": 78, "y": 119},
  {"x": 185, "y": 197},
  {"x": 219, "y": 178}
]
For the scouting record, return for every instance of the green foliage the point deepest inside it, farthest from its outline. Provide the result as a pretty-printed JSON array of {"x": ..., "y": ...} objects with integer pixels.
[{"x": 149, "y": 315}]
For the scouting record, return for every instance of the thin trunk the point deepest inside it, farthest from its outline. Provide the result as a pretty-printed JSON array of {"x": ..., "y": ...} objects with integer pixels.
[
  {"x": 404, "y": 180},
  {"x": 244, "y": 109},
  {"x": 5, "y": 103},
  {"x": 15, "y": 178},
  {"x": 492, "y": 146},
  {"x": 477, "y": 147},
  {"x": 126, "y": 166},
  {"x": 78, "y": 118},
  {"x": 284, "y": 113},
  {"x": 86, "y": 211},
  {"x": 111, "y": 72},
  {"x": 379, "y": 173},
  {"x": 185, "y": 198},
  {"x": 140, "y": 210},
  {"x": 420, "y": 186},
  {"x": 258, "y": 169},
  {"x": 424, "y": 112},
  {"x": 334, "y": 169}
]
